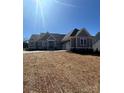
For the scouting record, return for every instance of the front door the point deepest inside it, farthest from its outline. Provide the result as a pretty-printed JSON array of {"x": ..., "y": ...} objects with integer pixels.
[{"x": 51, "y": 45}]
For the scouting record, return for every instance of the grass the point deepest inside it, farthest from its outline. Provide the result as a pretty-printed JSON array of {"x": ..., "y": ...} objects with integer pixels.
[{"x": 61, "y": 72}]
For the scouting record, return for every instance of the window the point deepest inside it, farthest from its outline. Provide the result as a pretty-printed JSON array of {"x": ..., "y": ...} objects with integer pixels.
[
  {"x": 84, "y": 41},
  {"x": 81, "y": 41}
]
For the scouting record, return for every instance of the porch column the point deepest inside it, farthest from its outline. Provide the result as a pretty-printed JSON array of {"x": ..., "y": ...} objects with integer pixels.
[
  {"x": 47, "y": 44},
  {"x": 76, "y": 41},
  {"x": 87, "y": 43}
]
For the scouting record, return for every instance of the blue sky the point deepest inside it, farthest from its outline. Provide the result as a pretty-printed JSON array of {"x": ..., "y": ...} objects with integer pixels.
[{"x": 60, "y": 16}]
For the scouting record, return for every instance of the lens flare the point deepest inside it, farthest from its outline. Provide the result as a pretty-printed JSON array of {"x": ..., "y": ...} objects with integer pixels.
[
  {"x": 65, "y": 4},
  {"x": 43, "y": 5},
  {"x": 39, "y": 12}
]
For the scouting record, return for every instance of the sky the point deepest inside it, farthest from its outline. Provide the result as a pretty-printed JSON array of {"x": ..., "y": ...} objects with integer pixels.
[{"x": 60, "y": 16}]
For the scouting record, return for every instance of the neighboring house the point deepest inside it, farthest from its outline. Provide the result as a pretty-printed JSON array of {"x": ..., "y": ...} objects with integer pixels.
[
  {"x": 96, "y": 45},
  {"x": 47, "y": 40},
  {"x": 78, "y": 39}
]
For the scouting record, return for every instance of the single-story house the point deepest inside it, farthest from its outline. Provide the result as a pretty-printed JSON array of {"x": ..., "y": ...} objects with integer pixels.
[
  {"x": 45, "y": 41},
  {"x": 78, "y": 40}
]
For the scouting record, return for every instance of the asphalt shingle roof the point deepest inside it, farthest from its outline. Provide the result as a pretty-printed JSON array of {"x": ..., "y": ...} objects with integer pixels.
[
  {"x": 44, "y": 36},
  {"x": 72, "y": 33},
  {"x": 34, "y": 37},
  {"x": 76, "y": 32},
  {"x": 83, "y": 32}
]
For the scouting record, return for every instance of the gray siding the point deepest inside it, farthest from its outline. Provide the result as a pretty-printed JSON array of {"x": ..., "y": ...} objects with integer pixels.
[
  {"x": 66, "y": 45},
  {"x": 78, "y": 42},
  {"x": 42, "y": 44},
  {"x": 58, "y": 45},
  {"x": 45, "y": 45},
  {"x": 32, "y": 45},
  {"x": 87, "y": 42},
  {"x": 39, "y": 45},
  {"x": 96, "y": 46},
  {"x": 73, "y": 42}
]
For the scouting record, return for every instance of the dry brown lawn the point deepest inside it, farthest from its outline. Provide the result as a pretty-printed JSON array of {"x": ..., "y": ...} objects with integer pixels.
[{"x": 61, "y": 72}]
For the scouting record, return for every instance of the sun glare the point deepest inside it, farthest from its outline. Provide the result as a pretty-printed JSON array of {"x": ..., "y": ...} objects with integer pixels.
[
  {"x": 43, "y": 6},
  {"x": 39, "y": 12}
]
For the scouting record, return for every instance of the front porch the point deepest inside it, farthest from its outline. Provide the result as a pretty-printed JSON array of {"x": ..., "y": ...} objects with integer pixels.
[{"x": 51, "y": 45}]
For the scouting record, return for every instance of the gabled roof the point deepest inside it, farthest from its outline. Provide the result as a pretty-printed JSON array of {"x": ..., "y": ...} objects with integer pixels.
[
  {"x": 58, "y": 37},
  {"x": 45, "y": 36},
  {"x": 83, "y": 32},
  {"x": 42, "y": 34},
  {"x": 72, "y": 33},
  {"x": 76, "y": 32},
  {"x": 34, "y": 37}
]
